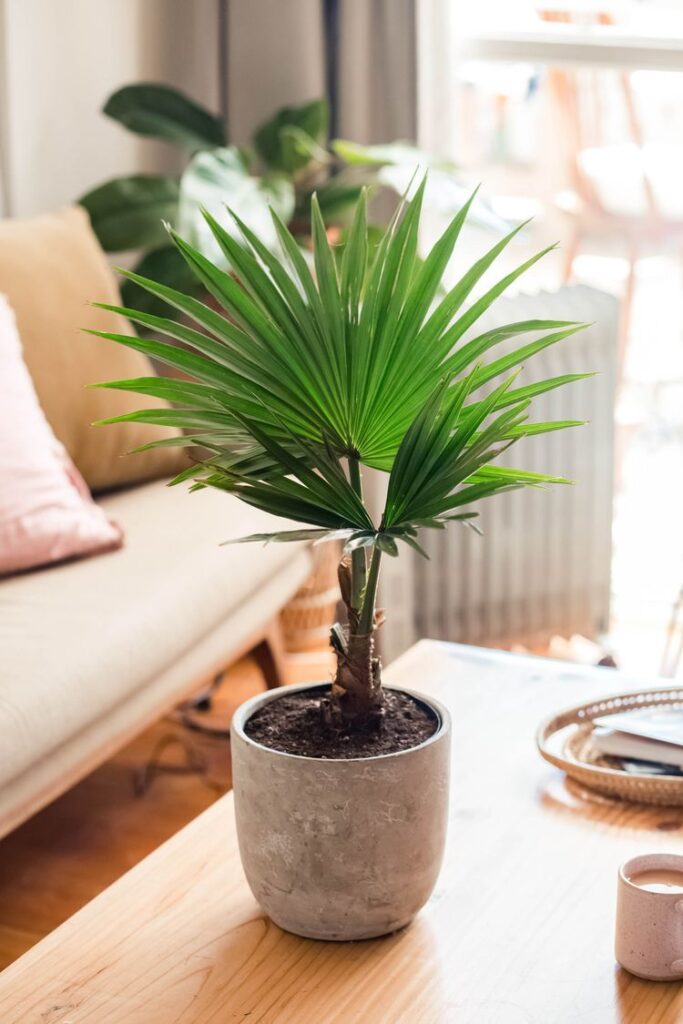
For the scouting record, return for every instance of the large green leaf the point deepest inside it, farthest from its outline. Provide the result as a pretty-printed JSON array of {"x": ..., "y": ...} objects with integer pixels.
[
  {"x": 299, "y": 149},
  {"x": 398, "y": 153},
  {"x": 166, "y": 266},
  {"x": 165, "y": 113},
  {"x": 285, "y": 150},
  {"x": 128, "y": 213},
  {"x": 215, "y": 179}
]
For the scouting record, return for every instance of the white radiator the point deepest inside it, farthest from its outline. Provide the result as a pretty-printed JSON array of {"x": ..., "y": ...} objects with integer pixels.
[{"x": 543, "y": 564}]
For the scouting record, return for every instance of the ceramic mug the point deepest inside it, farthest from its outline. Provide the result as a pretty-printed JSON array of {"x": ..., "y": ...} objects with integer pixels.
[{"x": 649, "y": 925}]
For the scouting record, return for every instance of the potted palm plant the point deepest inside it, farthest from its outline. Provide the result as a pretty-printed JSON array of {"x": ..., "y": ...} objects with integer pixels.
[{"x": 301, "y": 380}]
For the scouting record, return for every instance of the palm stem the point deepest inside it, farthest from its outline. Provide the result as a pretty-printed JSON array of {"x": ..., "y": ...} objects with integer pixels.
[
  {"x": 358, "y": 561},
  {"x": 367, "y": 616}
]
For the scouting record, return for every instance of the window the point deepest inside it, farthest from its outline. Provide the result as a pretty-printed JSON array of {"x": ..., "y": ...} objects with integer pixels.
[{"x": 573, "y": 113}]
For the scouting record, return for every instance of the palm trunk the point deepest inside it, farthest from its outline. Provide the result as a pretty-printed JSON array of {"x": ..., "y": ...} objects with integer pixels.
[
  {"x": 357, "y": 695},
  {"x": 357, "y": 698},
  {"x": 357, "y": 691}
]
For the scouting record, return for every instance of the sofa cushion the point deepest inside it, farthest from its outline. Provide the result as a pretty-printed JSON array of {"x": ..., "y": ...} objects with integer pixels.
[
  {"x": 46, "y": 512},
  {"x": 78, "y": 639},
  {"x": 51, "y": 267}
]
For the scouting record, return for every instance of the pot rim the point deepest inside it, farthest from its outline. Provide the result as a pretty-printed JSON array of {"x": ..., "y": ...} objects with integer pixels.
[{"x": 244, "y": 712}]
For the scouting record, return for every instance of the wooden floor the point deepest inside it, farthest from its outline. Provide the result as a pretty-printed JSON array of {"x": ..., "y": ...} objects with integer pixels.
[{"x": 80, "y": 844}]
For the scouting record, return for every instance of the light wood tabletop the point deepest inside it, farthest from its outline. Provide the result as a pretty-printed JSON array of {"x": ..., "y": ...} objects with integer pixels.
[{"x": 519, "y": 930}]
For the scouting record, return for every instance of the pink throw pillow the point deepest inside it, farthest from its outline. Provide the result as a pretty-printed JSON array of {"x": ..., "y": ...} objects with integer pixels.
[{"x": 46, "y": 512}]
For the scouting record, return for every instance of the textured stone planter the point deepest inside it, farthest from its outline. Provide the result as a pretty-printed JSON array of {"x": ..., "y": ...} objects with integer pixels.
[{"x": 340, "y": 849}]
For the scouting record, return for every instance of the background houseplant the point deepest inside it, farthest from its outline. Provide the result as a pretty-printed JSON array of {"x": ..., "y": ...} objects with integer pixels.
[
  {"x": 304, "y": 380},
  {"x": 290, "y": 158}
]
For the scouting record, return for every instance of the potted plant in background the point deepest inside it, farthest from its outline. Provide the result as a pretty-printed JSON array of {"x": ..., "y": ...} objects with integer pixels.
[
  {"x": 303, "y": 379},
  {"x": 290, "y": 158}
]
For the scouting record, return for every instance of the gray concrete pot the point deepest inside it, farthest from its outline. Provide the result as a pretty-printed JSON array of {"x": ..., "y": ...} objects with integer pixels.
[{"x": 340, "y": 849}]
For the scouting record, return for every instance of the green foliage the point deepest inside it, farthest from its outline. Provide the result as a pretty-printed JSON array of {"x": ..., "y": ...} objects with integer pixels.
[
  {"x": 294, "y": 137},
  {"x": 213, "y": 175},
  {"x": 129, "y": 213},
  {"x": 290, "y": 160},
  {"x": 306, "y": 374},
  {"x": 385, "y": 154},
  {"x": 162, "y": 264},
  {"x": 161, "y": 112}
]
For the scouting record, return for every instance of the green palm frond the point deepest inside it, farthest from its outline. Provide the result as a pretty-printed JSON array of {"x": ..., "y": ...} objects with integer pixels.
[{"x": 296, "y": 375}]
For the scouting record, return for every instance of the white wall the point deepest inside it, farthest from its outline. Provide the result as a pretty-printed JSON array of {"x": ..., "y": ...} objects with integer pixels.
[{"x": 61, "y": 60}]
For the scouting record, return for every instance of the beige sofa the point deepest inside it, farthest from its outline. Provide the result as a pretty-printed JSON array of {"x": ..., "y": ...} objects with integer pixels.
[{"x": 94, "y": 650}]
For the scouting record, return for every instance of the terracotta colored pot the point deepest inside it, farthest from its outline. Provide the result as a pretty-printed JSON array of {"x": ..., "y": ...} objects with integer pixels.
[{"x": 340, "y": 849}]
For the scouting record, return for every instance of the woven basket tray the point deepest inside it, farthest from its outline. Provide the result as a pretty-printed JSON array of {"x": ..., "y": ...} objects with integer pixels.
[
  {"x": 565, "y": 741},
  {"x": 307, "y": 618}
]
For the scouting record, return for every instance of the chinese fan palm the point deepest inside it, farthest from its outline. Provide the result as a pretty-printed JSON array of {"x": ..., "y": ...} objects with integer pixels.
[{"x": 308, "y": 374}]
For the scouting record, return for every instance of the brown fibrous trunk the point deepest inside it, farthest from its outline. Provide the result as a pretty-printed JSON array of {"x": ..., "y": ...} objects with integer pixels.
[{"x": 357, "y": 699}]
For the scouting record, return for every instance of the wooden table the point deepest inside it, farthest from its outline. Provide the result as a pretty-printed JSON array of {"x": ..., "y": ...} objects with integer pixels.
[{"x": 519, "y": 930}]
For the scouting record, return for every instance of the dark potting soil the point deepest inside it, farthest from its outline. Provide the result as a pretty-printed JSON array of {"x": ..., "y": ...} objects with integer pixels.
[{"x": 294, "y": 724}]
